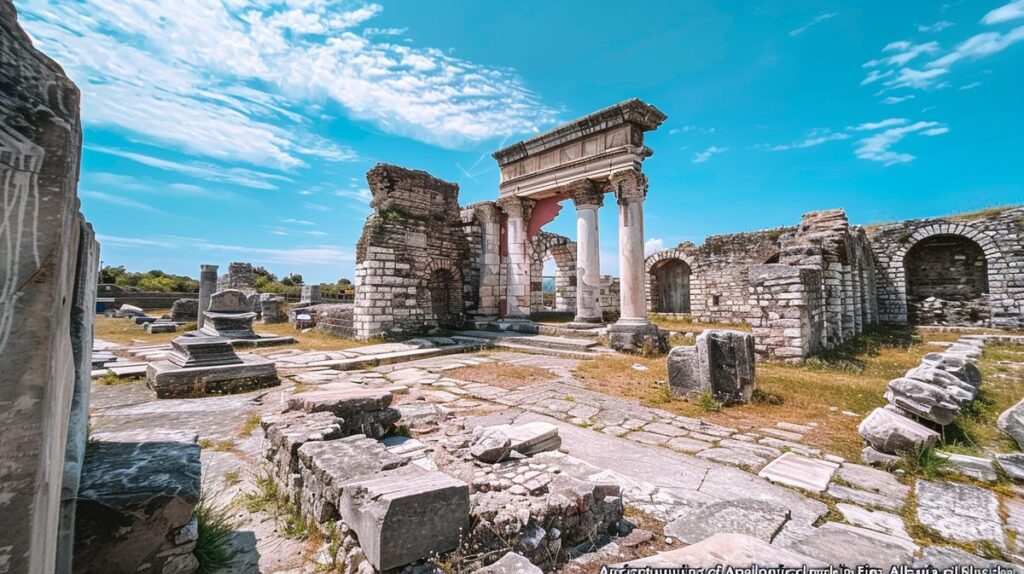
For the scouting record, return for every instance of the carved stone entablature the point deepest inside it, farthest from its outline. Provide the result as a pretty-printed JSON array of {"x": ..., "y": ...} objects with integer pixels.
[
  {"x": 487, "y": 212},
  {"x": 588, "y": 193},
  {"x": 629, "y": 185},
  {"x": 592, "y": 147}
]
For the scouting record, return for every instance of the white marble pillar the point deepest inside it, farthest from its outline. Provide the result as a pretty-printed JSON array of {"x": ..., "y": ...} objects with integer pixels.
[
  {"x": 207, "y": 287},
  {"x": 517, "y": 212},
  {"x": 631, "y": 188},
  {"x": 588, "y": 198}
]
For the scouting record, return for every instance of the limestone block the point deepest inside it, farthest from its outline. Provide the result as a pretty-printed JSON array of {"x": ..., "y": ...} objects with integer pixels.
[
  {"x": 923, "y": 400},
  {"x": 1011, "y": 422},
  {"x": 400, "y": 520},
  {"x": 185, "y": 310},
  {"x": 721, "y": 362},
  {"x": 959, "y": 390},
  {"x": 890, "y": 433},
  {"x": 510, "y": 563},
  {"x": 728, "y": 549},
  {"x": 130, "y": 311},
  {"x": 136, "y": 496},
  {"x": 960, "y": 512},
  {"x": 758, "y": 518}
]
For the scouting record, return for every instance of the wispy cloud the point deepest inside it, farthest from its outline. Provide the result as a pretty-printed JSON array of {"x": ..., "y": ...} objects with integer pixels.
[
  {"x": 814, "y": 22},
  {"x": 361, "y": 195},
  {"x": 934, "y": 28},
  {"x": 235, "y": 80},
  {"x": 1005, "y": 13},
  {"x": 877, "y": 147},
  {"x": 979, "y": 46},
  {"x": 122, "y": 201},
  {"x": 902, "y": 52},
  {"x": 200, "y": 170},
  {"x": 299, "y": 255},
  {"x": 970, "y": 86},
  {"x": 814, "y": 138},
  {"x": 871, "y": 126},
  {"x": 297, "y": 221},
  {"x": 316, "y": 206},
  {"x": 703, "y": 156},
  {"x": 891, "y": 100}
]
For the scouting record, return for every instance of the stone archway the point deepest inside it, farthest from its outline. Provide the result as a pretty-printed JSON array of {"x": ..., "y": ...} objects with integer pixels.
[
  {"x": 442, "y": 296},
  {"x": 670, "y": 286},
  {"x": 549, "y": 246},
  {"x": 946, "y": 278}
]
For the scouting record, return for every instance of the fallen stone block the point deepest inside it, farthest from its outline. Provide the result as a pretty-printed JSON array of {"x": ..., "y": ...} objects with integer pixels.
[
  {"x": 401, "y": 521},
  {"x": 286, "y": 433},
  {"x": 960, "y": 512},
  {"x": 155, "y": 328},
  {"x": 721, "y": 362},
  {"x": 799, "y": 471},
  {"x": 130, "y": 311},
  {"x": 726, "y": 549},
  {"x": 836, "y": 543},
  {"x": 490, "y": 444},
  {"x": 1012, "y": 464},
  {"x": 758, "y": 518},
  {"x": 494, "y": 444},
  {"x": 970, "y": 466},
  {"x": 955, "y": 365},
  {"x": 961, "y": 391},
  {"x": 924, "y": 400},
  {"x": 875, "y": 458},
  {"x": 890, "y": 433},
  {"x": 362, "y": 410},
  {"x": 1011, "y": 422},
  {"x": 135, "y": 503}
]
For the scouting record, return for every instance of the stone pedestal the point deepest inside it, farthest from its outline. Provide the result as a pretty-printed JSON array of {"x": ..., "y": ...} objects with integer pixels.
[
  {"x": 200, "y": 366},
  {"x": 229, "y": 315},
  {"x": 310, "y": 294},
  {"x": 207, "y": 286},
  {"x": 588, "y": 257}
]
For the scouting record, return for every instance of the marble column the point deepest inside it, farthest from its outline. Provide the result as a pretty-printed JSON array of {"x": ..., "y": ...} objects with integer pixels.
[
  {"x": 207, "y": 287},
  {"x": 633, "y": 332},
  {"x": 490, "y": 258},
  {"x": 517, "y": 214},
  {"x": 588, "y": 197}
]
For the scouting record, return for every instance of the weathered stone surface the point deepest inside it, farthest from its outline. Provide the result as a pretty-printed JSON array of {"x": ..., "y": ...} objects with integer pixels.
[
  {"x": 1011, "y": 422},
  {"x": 230, "y": 315},
  {"x": 955, "y": 365},
  {"x": 922, "y": 399},
  {"x": 185, "y": 310},
  {"x": 490, "y": 444},
  {"x": 721, "y": 362},
  {"x": 135, "y": 499},
  {"x": 130, "y": 311},
  {"x": 758, "y": 518},
  {"x": 342, "y": 403},
  {"x": 493, "y": 444},
  {"x": 273, "y": 309},
  {"x": 169, "y": 380},
  {"x": 47, "y": 304},
  {"x": 727, "y": 549},
  {"x": 799, "y": 471},
  {"x": 1012, "y": 464},
  {"x": 970, "y": 466},
  {"x": 947, "y": 557},
  {"x": 890, "y": 433},
  {"x": 735, "y": 456},
  {"x": 873, "y": 480},
  {"x": 864, "y": 498},
  {"x": 401, "y": 521},
  {"x": 286, "y": 433},
  {"x": 155, "y": 327},
  {"x": 879, "y": 521},
  {"x": 960, "y": 512},
  {"x": 835, "y": 543},
  {"x": 960, "y": 391},
  {"x": 510, "y": 563},
  {"x": 875, "y": 458}
]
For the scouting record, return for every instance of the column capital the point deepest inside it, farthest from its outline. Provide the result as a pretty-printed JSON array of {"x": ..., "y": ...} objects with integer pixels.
[
  {"x": 587, "y": 193},
  {"x": 629, "y": 185},
  {"x": 488, "y": 211},
  {"x": 516, "y": 207}
]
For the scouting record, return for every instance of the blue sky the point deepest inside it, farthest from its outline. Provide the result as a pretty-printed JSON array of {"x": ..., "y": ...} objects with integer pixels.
[{"x": 241, "y": 130}]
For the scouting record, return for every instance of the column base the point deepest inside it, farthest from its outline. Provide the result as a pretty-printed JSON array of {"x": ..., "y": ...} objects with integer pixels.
[
  {"x": 638, "y": 336},
  {"x": 585, "y": 323}
]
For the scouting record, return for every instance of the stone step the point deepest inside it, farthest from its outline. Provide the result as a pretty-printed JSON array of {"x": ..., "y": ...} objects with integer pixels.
[
  {"x": 547, "y": 351},
  {"x": 549, "y": 342}
]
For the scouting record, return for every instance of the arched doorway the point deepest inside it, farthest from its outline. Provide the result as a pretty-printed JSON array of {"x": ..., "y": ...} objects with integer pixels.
[
  {"x": 445, "y": 297},
  {"x": 941, "y": 269},
  {"x": 671, "y": 288}
]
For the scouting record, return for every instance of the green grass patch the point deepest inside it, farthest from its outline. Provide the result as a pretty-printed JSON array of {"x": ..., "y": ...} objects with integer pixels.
[{"x": 213, "y": 546}]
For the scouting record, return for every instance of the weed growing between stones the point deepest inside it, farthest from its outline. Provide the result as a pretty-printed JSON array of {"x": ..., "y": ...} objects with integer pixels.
[
  {"x": 268, "y": 498},
  {"x": 252, "y": 422},
  {"x": 925, "y": 463},
  {"x": 232, "y": 477},
  {"x": 213, "y": 546},
  {"x": 110, "y": 379},
  {"x": 708, "y": 403},
  {"x": 217, "y": 445}
]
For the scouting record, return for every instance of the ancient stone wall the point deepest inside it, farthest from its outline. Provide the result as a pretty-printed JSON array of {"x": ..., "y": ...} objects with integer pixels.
[
  {"x": 563, "y": 251},
  {"x": 785, "y": 311},
  {"x": 965, "y": 270},
  {"x": 608, "y": 296},
  {"x": 240, "y": 276},
  {"x": 411, "y": 256},
  {"x": 47, "y": 305},
  {"x": 482, "y": 224},
  {"x": 142, "y": 299}
]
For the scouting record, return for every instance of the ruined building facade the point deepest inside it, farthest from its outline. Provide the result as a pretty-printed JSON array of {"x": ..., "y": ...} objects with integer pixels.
[{"x": 810, "y": 287}]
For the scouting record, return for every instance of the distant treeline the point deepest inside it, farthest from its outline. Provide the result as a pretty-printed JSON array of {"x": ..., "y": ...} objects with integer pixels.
[{"x": 266, "y": 282}]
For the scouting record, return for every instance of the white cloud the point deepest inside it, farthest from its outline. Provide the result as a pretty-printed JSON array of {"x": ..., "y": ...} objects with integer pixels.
[
  {"x": 235, "y": 79},
  {"x": 897, "y": 99},
  {"x": 979, "y": 46},
  {"x": 315, "y": 206},
  {"x": 916, "y": 79},
  {"x": 1012, "y": 11},
  {"x": 236, "y": 175},
  {"x": 877, "y": 147},
  {"x": 122, "y": 201},
  {"x": 970, "y": 86},
  {"x": 653, "y": 245},
  {"x": 297, "y": 221},
  {"x": 815, "y": 138},
  {"x": 384, "y": 31},
  {"x": 703, "y": 156},
  {"x": 300, "y": 255},
  {"x": 904, "y": 52},
  {"x": 875, "y": 75},
  {"x": 934, "y": 28},
  {"x": 870, "y": 126},
  {"x": 362, "y": 195},
  {"x": 814, "y": 21}
]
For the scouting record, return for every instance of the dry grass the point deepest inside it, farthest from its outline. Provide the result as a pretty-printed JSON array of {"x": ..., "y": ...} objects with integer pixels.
[
  {"x": 502, "y": 375},
  {"x": 975, "y": 431},
  {"x": 850, "y": 378},
  {"x": 124, "y": 332},
  {"x": 694, "y": 326}
]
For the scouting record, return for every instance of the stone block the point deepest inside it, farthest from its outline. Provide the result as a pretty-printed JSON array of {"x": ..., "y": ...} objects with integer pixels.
[
  {"x": 137, "y": 495},
  {"x": 721, "y": 362},
  {"x": 799, "y": 471},
  {"x": 401, "y": 520},
  {"x": 923, "y": 400},
  {"x": 758, "y": 518},
  {"x": 169, "y": 380},
  {"x": 726, "y": 549},
  {"x": 890, "y": 433},
  {"x": 1011, "y": 422},
  {"x": 155, "y": 328}
]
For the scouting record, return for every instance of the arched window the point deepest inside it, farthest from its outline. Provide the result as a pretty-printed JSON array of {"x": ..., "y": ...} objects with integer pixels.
[
  {"x": 670, "y": 285},
  {"x": 946, "y": 267}
]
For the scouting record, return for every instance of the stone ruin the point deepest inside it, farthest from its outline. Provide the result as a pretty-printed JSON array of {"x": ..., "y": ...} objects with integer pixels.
[
  {"x": 203, "y": 365},
  {"x": 240, "y": 276},
  {"x": 410, "y": 257},
  {"x": 47, "y": 306},
  {"x": 807, "y": 288},
  {"x": 229, "y": 315},
  {"x": 720, "y": 363}
]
